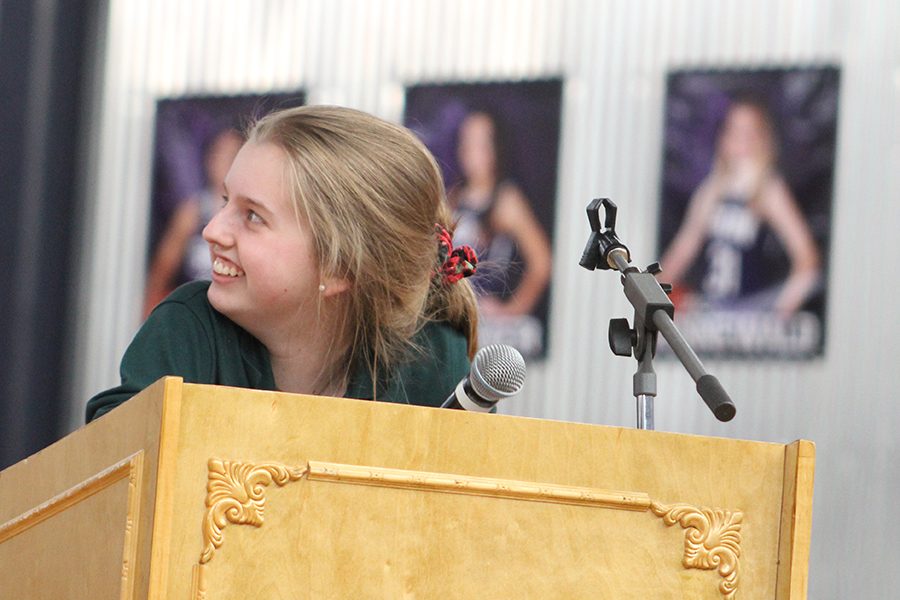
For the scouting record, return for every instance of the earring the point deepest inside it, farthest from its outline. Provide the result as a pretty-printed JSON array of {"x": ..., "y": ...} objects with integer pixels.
[{"x": 321, "y": 287}]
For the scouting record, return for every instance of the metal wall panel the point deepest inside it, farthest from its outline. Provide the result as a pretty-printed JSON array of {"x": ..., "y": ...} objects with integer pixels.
[{"x": 613, "y": 56}]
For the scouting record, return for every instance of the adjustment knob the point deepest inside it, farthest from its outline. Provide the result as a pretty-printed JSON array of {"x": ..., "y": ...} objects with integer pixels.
[{"x": 621, "y": 337}]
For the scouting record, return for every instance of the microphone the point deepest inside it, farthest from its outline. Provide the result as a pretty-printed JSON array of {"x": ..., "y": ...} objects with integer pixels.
[{"x": 498, "y": 371}]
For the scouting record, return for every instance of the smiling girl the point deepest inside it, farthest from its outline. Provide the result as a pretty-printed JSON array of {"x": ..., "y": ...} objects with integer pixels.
[
  {"x": 332, "y": 272},
  {"x": 727, "y": 220}
]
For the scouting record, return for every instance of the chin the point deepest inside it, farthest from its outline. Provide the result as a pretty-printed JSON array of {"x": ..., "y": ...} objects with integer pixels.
[{"x": 222, "y": 302}]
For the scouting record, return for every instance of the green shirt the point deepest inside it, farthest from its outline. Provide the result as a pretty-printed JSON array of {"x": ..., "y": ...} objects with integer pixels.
[{"x": 187, "y": 337}]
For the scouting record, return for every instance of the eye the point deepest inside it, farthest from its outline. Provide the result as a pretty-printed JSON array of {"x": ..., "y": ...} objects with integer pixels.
[{"x": 253, "y": 217}]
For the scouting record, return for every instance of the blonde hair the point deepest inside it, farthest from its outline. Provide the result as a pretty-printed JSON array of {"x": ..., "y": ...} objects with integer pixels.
[
  {"x": 767, "y": 156},
  {"x": 371, "y": 194}
]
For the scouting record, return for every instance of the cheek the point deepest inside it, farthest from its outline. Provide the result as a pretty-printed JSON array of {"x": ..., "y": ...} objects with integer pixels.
[{"x": 289, "y": 270}]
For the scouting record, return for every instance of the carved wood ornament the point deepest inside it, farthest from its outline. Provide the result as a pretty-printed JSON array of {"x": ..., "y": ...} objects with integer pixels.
[
  {"x": 712, "y": 540},
  {"x": 236, "y": 494}
]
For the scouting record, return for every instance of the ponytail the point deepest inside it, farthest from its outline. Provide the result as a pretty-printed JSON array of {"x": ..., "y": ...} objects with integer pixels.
[{"x": 453, "y": 301}]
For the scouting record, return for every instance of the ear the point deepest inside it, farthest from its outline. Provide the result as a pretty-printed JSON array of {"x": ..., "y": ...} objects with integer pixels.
[{"x": 335, "y": 286}]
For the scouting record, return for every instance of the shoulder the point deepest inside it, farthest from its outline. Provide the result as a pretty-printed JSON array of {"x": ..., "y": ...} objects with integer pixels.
[
  {"x": 774, "y": 195},
  {"x": 181, "y": 328},
  {"x": 710, "y": 191},
  {"x": 443, "y": 336},
  {"x": 438, "y": 364},
  {"x": 186, "y": 307},
  {"x": 176, "y": 339},
  {"x": 190, "y": 294},
  {"x": 188, "y": 301},
  {"x": 775, "y": 185},
  {"x": 509, "y": 192},
  {"x": 187, "y": 213},
  {"x": 185, "y": 336},
  {"x": 186, "y": 314},
  {"x": 510, "y": 206}
]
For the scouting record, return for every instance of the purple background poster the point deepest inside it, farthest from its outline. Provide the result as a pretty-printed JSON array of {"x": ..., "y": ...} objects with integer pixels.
[
  {"x": 745, "y": 208},
  {"x": 195, "y": 140},
  {"x": 497, "y": 144}
]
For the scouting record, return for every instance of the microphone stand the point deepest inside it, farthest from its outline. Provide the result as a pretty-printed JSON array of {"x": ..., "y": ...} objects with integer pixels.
[{"x": 653, "y": 312}]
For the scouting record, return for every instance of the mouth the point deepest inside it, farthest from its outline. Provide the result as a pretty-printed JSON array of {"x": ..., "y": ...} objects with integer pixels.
[{"x": 228, "y": 270}]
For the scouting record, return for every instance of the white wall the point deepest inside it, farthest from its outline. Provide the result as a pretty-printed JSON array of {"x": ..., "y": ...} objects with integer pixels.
[{"x": 613, "y": 56}]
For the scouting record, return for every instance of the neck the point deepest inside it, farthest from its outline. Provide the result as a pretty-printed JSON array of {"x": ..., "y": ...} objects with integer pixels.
[
  {"x": 307, "y": 359},
  {"x": 478, "y": 192},
  {"x": 302, "y": 373},
  {"x": 481, "y": 183}
]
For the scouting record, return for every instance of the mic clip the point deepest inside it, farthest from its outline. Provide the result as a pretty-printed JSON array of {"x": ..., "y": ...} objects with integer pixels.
[{"x": 603, "y": 242}]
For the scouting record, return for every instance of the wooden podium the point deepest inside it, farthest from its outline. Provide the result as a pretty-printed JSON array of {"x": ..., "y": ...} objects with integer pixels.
[{"x": 194, "y": 491}]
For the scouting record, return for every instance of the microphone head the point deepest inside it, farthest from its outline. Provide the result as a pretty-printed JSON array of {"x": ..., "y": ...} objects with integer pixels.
[{"x": 498, "y": 371}]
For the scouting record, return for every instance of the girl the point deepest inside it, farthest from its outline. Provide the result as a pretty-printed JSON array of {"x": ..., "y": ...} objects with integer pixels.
[
  {"x": 495, "y": 217},
  {"x": 724, "y": 220},
  {"x": 332, "y": 272}
]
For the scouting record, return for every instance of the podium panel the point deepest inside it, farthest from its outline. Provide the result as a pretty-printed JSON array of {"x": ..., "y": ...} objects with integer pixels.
[{"x": 214, "y": 493}]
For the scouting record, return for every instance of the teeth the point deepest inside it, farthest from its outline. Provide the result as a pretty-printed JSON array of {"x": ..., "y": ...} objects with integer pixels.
[{"x": 220, "y": 268}]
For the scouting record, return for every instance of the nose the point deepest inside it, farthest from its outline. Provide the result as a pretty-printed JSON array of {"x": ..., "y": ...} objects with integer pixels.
[{"x": 219, "y": 231}]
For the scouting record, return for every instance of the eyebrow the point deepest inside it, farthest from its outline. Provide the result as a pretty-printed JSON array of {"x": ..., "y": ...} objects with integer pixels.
[
  {"x": 250, "y": 201},
  {"x": 258, "y": 204}
]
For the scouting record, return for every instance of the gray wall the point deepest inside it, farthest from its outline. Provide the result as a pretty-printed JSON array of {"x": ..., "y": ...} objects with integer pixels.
[{"x": 613, "y": 57}]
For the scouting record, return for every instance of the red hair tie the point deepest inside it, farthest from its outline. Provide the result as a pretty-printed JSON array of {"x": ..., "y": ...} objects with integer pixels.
[{"x": 456, "y": 263}]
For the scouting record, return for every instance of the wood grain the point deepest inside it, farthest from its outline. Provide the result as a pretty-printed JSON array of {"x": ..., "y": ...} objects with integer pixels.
[
  {"x": 476, "y": 486},
  {"x": 369, "y": 500},
  {"x": 796, "y": 521},
  {"x": 77, "y": 515}
]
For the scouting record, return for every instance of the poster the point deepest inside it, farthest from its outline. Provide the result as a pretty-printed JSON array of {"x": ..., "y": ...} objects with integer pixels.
[
  {"x": 196, "y": 139},
  {"x": 497, "y": 144},
  {"x": 745, "y": 208}
]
